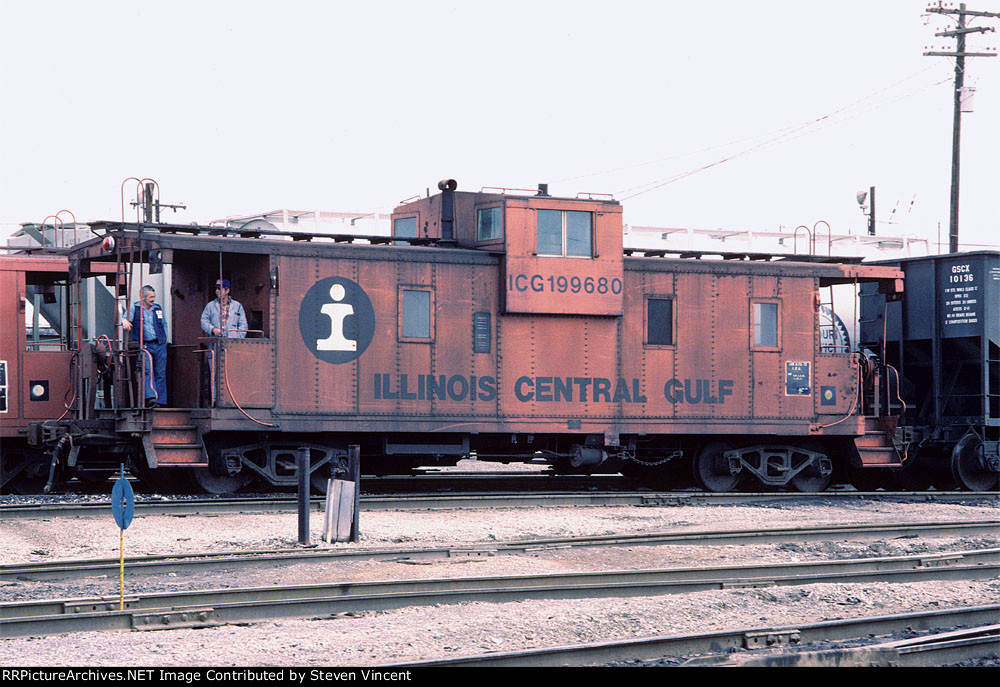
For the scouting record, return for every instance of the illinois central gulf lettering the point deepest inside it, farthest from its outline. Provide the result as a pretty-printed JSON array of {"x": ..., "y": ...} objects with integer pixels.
[
  {"x": 429, "y": 387},
  {"x": 695, "y": 391},
  {"x": 596, "y": 389}
]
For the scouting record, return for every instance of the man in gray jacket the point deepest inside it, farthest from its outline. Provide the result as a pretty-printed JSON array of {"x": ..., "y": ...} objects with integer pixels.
[{"x": 224, "y": 316}]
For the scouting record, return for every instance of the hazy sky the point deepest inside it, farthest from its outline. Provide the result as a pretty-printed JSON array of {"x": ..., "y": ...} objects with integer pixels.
[{"x": 244, "y": 107}]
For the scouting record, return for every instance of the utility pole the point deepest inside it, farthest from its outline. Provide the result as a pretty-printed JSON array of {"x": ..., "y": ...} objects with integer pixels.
[{"x": 960, "y": 54}]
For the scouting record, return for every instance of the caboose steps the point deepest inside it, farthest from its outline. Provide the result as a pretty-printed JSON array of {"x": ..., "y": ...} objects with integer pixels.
[
  {"x": 173, "y": 440},
  {"x": 875, "y": 446},
  {"x": 167, "y": 417}
]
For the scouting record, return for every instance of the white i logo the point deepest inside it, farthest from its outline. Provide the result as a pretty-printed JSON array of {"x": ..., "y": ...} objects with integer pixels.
[
  {"x": 337, "y": 312},
  {"x": 336, "y": 320}
]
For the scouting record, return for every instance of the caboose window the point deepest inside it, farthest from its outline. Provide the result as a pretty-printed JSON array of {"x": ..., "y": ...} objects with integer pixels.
[
  {"x": 765, "y": 325},
  {"x": 565, "y": 232},
  {"x": 660, "y": 321},
  {"x": 416, "y": 315},
  {"x": 489, "y": 224},
  {"x": 405, "y": 227},
  {"x": 45, "y": 316}
]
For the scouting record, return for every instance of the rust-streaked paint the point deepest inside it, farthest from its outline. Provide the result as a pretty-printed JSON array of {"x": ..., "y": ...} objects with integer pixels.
[{"x": 559, "y": 363}]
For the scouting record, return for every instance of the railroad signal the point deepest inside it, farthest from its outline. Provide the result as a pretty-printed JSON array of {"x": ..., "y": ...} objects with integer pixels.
[
  {"x": 122, "y": 501},
  {"x": 122, "y": 508}
]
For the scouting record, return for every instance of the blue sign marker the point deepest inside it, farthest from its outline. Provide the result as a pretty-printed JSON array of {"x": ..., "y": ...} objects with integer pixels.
[{"x": 122, "y": 501}]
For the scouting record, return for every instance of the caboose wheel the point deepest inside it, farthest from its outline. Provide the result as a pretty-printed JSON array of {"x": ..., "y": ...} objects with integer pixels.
[
  {"x": 205, "y": 481},
  {"x": 812, "y": 478},
  {"x": 968, "y": 465},
  {"x": 711, "y": 467},
  {"x": 318, "y": 482}
]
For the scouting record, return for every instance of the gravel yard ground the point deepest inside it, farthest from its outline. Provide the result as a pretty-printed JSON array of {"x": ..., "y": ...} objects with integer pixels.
[{"x": 425, "y": 633}]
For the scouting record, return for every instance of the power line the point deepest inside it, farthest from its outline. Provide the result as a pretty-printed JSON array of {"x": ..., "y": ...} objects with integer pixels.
[
  {"x": 787, "y": 134},
  {"x": 775, "y": 134}
]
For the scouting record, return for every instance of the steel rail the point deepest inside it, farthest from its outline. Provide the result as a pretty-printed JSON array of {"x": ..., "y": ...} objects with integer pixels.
[
  {"x": 927, "y": 651},
  {"x": 477, "y": 501},
  {"x": 212, "y": 607},
  {"x": 166, "y": 563},
  {"x": 650, "y": 650}
]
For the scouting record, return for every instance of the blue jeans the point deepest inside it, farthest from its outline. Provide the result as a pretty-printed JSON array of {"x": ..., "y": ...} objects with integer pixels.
[{"x": 154, "y": 382}]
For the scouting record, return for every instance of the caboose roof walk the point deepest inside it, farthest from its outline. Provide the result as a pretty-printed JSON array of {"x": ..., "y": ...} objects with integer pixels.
[
  {"x": 202, "y": 238},
  {"x": 171, "y": 233},
  {"x": 205, "y": 239}
]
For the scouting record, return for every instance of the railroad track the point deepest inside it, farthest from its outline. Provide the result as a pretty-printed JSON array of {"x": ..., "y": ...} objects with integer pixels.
[
  {"x": 206, "y": 608},
  {"x": 163, "y": 564},
  {"x": 430, "y": 479},
  {"x": 792, "y": 643},
  {"x": 12, "y": 511}
]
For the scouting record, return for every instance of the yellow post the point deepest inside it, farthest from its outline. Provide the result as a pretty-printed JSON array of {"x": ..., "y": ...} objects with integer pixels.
[
  {"x": 122, "y": 507},
  {"x": 121, "y": 575}
]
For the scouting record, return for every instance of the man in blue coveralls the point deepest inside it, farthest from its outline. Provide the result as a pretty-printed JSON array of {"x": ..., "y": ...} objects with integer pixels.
[{"x": 146, "y": 318}]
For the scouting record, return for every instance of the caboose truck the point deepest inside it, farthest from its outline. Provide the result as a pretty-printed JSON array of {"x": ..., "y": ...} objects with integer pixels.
[{"x": 505, "y": 325}]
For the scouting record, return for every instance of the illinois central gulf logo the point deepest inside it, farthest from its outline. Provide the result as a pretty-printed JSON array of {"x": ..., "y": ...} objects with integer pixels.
[{"x": 336, "y": 320}]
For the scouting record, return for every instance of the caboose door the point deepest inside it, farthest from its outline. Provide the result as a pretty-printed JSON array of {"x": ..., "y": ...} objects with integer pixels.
[{"x": 782, "y": 340}]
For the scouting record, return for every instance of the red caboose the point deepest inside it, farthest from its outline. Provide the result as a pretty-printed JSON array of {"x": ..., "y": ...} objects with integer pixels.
[
  {"x": 34, "y": 358},
  {"x": 42, "y": 320},
  {"x": 503, "y": 325}
]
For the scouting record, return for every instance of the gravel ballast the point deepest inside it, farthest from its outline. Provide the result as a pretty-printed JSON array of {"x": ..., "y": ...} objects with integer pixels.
[{"x": 374, "y": 638}]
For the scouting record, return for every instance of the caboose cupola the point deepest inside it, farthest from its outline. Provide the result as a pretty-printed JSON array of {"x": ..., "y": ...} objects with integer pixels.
[{"x": 561, "y": 255}]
